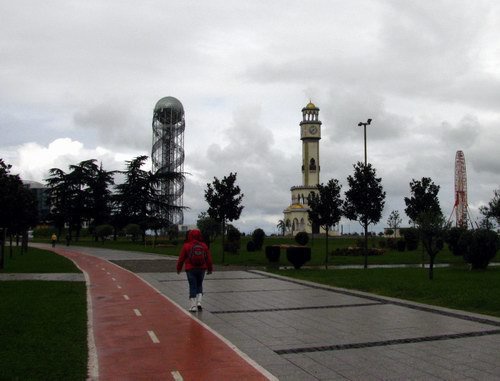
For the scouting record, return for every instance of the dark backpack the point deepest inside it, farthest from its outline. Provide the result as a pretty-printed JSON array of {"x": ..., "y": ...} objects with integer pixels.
[{"x": 197, "y": 255}]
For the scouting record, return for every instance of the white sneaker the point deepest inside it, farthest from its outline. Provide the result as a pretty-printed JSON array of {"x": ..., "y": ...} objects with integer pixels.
[
  {"x": 192, "y": 305},
  {"x": 198, "y": 301}
]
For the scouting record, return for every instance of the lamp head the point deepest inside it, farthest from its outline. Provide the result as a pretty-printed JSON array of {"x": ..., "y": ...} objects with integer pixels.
[
  {"x": 368, "y": 121},
  {"x": 360, "y": 124}
]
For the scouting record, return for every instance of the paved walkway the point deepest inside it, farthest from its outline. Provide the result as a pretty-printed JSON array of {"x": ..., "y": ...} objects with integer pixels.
[{"x": 294, "y": 330}]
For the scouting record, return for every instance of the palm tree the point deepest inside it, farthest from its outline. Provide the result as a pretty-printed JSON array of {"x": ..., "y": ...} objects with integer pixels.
[{"x": 282, "y": 226}]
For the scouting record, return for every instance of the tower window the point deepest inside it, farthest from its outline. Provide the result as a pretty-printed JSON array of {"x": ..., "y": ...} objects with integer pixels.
[{"x": 312, "y": 165}]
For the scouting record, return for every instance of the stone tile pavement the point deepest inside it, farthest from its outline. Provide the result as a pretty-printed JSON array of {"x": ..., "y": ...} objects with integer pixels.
[{"x": 302, "y": 331}]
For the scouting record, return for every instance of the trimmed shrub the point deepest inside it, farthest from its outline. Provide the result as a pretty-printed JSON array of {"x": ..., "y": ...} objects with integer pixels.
[
  {"x": 391, "y": 243},
  {"x": 102, "y": 231},
  {"x": 233, "y": 243},
  {"x": 273, "y": 253},
  {"x": 302, "y": 238},
  {"x": 258, "y": 236},
  {"x": 452, "y": 238},
  {"x": 481, "y": 249},
  {"x": 250, "y": 246},
  {"x": 401, "y": 244},
  {"x": 411, "y": 237},
  {"x": 382, "y": 243},
  {"x": 298, "y": 256},
  {"x": 133, "y": 230},
  {"x": 389, "y": 232}
]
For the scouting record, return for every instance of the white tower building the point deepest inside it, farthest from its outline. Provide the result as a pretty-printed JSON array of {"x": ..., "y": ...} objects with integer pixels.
[{"x": 295, "y": 216}]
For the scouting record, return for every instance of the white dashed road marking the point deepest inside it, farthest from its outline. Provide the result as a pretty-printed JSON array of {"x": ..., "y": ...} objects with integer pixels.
[
  {"x": 137, "y": 312},
  {"x": 126, "y": 297},
  {"x": 118, "y": 286},
  {"x": 176, "y": 375},
  {"x": 153, "y": 337},
  {"x": 113, "y": 279}
]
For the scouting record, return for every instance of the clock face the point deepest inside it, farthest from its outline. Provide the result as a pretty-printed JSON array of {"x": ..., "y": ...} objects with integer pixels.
[{"x": 313, "y": 129}]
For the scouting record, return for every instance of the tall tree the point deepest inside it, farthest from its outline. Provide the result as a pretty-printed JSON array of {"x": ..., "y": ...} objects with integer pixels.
[
  {"x": 224, "y": 199},
  {"x": 424, "y": 211},
  {"x": 423, "y": 199},
  {"x": 394, "y": 221},
  {"x": 139, "y": 200},
  {"x": 364, "y": 200},
  {"x": 492, "y": 210},
  {"x": 281, "y": 226},
  {"x": 17, "y": 207},
  {"x": 326, "y": 208},
  {"x": 59, "y": 196}
]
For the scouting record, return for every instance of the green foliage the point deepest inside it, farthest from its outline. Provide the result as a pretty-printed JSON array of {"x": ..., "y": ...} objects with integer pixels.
[
  {"x": 492, "y": 210},
  {"x": 480, "y": 247},
  {"x": 103, "y": 231},
  {"x": 209, "y": 227},
  {"x": 233, "y": 243},
  {"x": 423, "y": 199},
  {"x": 298, "y": 256},
  {"x": 224, "y": 199},
  {"x": 364, "y": 200},
  {"x": 258, "y": 236},
  {"x": 18, "y": 211},
  {"x": 173, "y": 232},
  {"x": 273, "y": 253},
  {"x": 432, "y": 228},
  {"x": 394, "y": 221},
  {"x": 411, "y": 237},
  {"x": 452, "y": 238},
  {"x": 133, "y": 230},
  {"x": 401, "y": 245},
  {"x": 325, "y": 208},
  {"x": 250, "y": 246},
  {"x": 390, "y": 232},
  {"x": 302, "y": 238}
]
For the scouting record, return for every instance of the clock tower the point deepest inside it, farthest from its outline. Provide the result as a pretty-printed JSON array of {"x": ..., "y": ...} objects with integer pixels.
[
  {"x": 310, "y": 134},
  {"x": 296, "y": 215}
]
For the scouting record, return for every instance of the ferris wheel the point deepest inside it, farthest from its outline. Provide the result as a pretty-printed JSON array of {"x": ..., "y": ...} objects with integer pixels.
[{"x": 460, "y": 207}]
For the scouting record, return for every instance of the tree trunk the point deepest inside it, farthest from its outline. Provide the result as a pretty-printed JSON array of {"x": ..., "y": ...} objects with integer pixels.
[
  {"x": 431, "y": 266},
  {"x": 2, "y": 247},
  {"x": 326, "y": 252},
  {"x": 366, "y": 246},
  {"x": 223, "y": 233},
  {"x": 10, "y": 247}
]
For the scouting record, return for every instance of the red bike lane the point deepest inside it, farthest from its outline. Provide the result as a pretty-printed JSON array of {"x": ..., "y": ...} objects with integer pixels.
[{"x": 139, "y": 334}]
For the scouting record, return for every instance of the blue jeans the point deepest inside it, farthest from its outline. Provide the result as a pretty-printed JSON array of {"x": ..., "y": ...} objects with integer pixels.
[{"x": 195, "y": 279}]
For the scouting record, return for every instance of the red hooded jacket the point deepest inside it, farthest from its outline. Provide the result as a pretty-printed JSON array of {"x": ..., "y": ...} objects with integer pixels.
[{"x": 194, "y": 236}]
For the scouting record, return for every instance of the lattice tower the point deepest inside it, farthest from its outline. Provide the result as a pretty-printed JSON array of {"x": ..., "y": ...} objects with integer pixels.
[{"x": 168, "y": 152}]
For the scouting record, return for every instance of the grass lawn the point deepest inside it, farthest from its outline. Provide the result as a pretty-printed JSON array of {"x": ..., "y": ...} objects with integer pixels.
[
  {"x": 258, "y": 258},
  {"x": 43, "y": 330},
  {"x": 453, "y": 287},
  {"x": 43, "y": 334},
  {"x": 36, "y": 261}
]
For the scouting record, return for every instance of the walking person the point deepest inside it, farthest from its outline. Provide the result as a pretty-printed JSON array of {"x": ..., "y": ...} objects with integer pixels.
[
  {"x": 53, "y": 239},
  {"x": 197, "y": 260}
]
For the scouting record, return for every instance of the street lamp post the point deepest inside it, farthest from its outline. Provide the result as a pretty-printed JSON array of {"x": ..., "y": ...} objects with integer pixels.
[
  {"x": 365, "y": 249},
  {"x": 367, "y": 123}
]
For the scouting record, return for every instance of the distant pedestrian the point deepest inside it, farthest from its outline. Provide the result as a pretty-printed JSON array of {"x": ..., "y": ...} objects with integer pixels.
[
  {"x": 53, "y": 239},
  {"x": 68, "y": 239},
  {"x": 197, "y": 260}
]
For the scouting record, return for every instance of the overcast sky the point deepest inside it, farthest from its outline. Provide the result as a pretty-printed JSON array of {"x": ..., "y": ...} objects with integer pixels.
[{"x": 79, "y": 80}]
